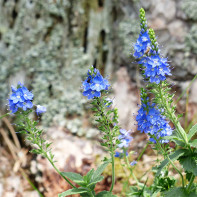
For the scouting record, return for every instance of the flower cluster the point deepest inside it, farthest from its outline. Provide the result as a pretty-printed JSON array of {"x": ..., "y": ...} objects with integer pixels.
[
  {"x": 151, "y": 121},
  {"x": 142, "y": 44},
  {"x": 155, "y": 68},
  {"x": 21, "y": 97},
  {"x": 125, "y": 139},
  {"x": 94, "y": 84}
]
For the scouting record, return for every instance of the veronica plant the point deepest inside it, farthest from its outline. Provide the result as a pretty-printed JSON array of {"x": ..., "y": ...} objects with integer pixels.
[
  {"x": 156, "y": 117},
  {"x": 153, "y": 117}
]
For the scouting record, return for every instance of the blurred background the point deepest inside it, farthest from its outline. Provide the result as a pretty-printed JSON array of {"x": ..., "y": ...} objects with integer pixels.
[{"x": 49, "y": 45}]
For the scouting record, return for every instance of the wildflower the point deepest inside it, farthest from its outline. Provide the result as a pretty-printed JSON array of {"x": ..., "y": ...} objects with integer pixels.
[
  {"x": 40, "y": 109},
  {"x": 155, "y": 68},
  {"x": 125, "y": 140},
  {"x": 151, "y": 121},
  {"x": 119, "y": 154},
  {"x": 94, "y": 84},
  {"x": 21, "y": 97},
  {"x": 133, "y": 163},
  {"x": 142, "y": 44}
]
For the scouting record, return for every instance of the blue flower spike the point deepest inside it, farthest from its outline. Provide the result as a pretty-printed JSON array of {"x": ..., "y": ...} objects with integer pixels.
[
  {"x": 94, "y": 84},
  {"x": 151, "y": 121},
  {"x": 143, "y": 42}
]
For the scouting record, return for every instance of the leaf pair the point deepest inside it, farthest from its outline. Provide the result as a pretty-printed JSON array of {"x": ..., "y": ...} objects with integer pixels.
[{"x": 87, "y": 183}]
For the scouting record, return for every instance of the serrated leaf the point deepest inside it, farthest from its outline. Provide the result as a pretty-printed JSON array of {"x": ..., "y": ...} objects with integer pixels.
[
  {"x": 189, "y": 164},
  {"x": 72, "y": 191},
  {"x": 88, "y": 176},
  {"x": 95, "y": 180},
  {"x": 105, "y": 194},
  {"x": 179, "y": 192},
  {"x": 192, "y": 132},
  {"x": 100, "y": 170},
  {"x": 174, "y": 156}
]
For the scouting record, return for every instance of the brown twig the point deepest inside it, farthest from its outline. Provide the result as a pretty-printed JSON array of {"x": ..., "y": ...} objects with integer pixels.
[{"x": 12, "y": 131}]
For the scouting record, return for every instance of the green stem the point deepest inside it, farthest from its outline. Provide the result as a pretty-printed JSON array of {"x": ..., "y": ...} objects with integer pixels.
[
  {"x": 113, "y": 173},
  {"x": 143, "y": 151},
  {"x": 190, "y": 183},
  {"x": 5, "y": 115},
  {"x": 49, "y": 159},
  {"x": 176, "y": 170},
  {"x": 131, "y": 170},
  {"x": 172, "y": 117},
  {"x": 166, "y": 154},
  {"x": 29, "y": 181},
  {"x": 91, "y": 194},
  {"x": 139, "y": 157},
  {"x": 107, "y": 123}
]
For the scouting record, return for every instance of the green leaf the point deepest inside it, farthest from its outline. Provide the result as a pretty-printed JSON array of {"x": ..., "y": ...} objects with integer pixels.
[
  {"x": 95, "y": 180},
  {"x": 189, "y": 163},
  {"x": 77, "y": 178},
  {"x": 179, "y": 192},
  {"x": 100, "y": 169},
  {"x": 105, "y": 194},
  {"x": 174, "y": 156},
  {"x": 175, "y": 139},
  {"x": 192, "y": 132},
  {"x": 88, "y": 176},
  {"x": 72, "y": 191},
  {"x": 193, "y": 143}
]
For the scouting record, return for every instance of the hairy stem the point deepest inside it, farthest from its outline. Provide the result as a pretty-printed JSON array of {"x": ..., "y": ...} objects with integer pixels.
[
  {"x": 130, "y": 169},
  {"x": 190, "y": 183},
  {"x": 4, "y": 115},
  {"x": 171, "y": 162},
  {"x": 172, "y": 116}
]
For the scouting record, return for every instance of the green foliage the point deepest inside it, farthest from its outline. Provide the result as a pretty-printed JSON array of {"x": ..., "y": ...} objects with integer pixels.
[
  {"x": 189, "y": 162},
  {"x": 192, "y": 132},
  {"x": 72, "y": 191},
  {"x": 179, "y": 192},
  {"x": 107, "y": 118},
  {"x": 174, "y": 156},
  {"x": 105, "y": 194},
  {"x": 87, "y": 183}
]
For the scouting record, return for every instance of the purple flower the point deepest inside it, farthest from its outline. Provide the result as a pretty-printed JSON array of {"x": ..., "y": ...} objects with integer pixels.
[{"x": 40, "y": 109}]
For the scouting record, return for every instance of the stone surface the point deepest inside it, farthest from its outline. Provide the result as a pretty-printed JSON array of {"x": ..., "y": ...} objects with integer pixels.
[
  {"x": 178, "y": 29},
  {"x": 125, "y": 99}
]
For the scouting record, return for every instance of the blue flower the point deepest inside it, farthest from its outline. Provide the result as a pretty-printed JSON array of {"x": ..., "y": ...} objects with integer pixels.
[
  {"x": 94, "y": 84},
  {"x": 119, "y": 154},
  {"x": 142, "y": 44},
  {"x": 90, "y": 94},
  {"x": 155, "y": 68},
  {"x": 40, "y": 109},
  {"x": 21, "y": 97},
  {"x": 125, "y": 140},
  {"x": 151, "y": 121},
  {"x": 133, "y": 163}
]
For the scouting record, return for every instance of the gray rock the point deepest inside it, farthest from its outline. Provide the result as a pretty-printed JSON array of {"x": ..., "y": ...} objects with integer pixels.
[{"x": 178, "y": 29}]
